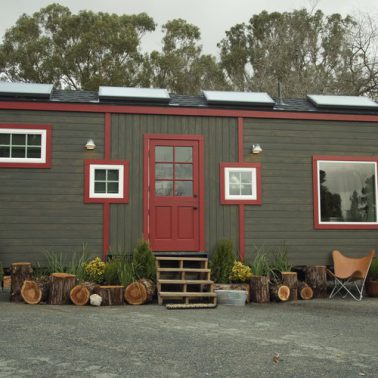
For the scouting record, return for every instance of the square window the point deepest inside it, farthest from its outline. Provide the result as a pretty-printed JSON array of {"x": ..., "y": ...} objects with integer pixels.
[
  {"x": 345, "y": 192},
  {"x": 240, "y": 183}
]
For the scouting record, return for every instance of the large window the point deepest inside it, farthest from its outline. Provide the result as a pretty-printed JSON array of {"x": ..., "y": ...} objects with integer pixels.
[
  {"x": 345, "y": 194},
  {"x": 25, "y": 146},
  {"x": 240, "y": 183},
  {"x": 106, "y": 181}
]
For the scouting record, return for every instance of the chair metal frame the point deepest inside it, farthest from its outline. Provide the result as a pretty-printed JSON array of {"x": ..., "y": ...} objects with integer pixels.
[{"x": 342, "y": 282}]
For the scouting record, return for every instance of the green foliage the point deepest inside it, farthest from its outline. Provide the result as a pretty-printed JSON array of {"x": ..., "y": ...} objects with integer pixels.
[
  {"x": 1, "y": 272},
  {"x": 129, "y": 272},
  {"x": 240, "y": 272},
  {"x": 55, "y": 262},
  {"x": 373, "y": 271},
  {"x": 260, "y": 263},
  {"x": 77, "y": 264},
  {"x": 279, "y": 260},
  {"x": 94, "y": 270},
  {"x": 144, "y": 261},
  {"x": 222, "y": 261}
]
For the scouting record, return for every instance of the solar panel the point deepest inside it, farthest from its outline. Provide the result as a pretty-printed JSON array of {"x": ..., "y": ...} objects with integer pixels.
[
  {"x": 342, "y": 101},
  {"x": 25, "y": 89},
  {"x": 141, "y": 94},
  {"x": 243, "y": 98}
]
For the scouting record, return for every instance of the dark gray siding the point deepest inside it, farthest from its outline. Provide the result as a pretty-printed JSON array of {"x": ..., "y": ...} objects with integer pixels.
[
  {"x": 220, "y": 144},
  {"x": 43, "y": 209},
  {"x": 286, "y": 214}
]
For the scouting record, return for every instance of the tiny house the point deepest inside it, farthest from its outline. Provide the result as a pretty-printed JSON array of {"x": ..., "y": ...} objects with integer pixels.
[{"x": 105, "y": 168}]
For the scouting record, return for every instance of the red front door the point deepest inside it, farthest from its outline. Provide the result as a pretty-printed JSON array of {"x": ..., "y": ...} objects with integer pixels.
[{"x": 174, "y": 193}]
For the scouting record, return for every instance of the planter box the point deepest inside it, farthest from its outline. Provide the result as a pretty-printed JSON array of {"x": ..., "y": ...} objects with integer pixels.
[
  {"x": 231, "y": 297},
  {"x": 235, "y": 286}
]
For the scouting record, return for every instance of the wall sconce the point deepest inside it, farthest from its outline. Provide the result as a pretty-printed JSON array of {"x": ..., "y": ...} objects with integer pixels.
[
  {"x": 90, "y": 145},
  {"x": 256, "y": 149}
]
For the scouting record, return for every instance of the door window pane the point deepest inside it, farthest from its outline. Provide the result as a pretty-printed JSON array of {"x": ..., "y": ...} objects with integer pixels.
[
  {"x": 347, "y": 191},
  {"x": 234, "y": 189},
  {"x": 246, "y": 177},
  {"x": 100, "y": 187},
  {"x": 112, "y": 187},
  {"x": 246, "y": 189},
  {"x": 100, "y": 174},
  {"x": 113, "y": 174},
  {"x": 183, "y": 171},
  {"x": 164, "y": 171},
  {"x": 183, "y": 188},
  {"x": 234, "y": 177},
  {"x": 183, "y": 154},
  {"x": 164, "y": 153},
  {"x": 163, "y": 188}
]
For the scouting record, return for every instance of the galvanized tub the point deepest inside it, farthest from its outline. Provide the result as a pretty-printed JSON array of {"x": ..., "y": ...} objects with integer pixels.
[{"x": 231, "y": 297}]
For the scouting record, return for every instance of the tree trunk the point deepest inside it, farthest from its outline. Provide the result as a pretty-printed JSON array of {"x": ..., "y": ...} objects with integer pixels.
[
  {"x": 20, "y": 272},
  {"x": 260, "y": 289},
  {"x": 279, "y": 293},
  {"x": 60, "y": 287},
  {"x": 111, "y": 295},
  {"x": 316, "y": 278},
  {"x": 80, "y": 294},
  {"x": 291, "y": 281},
  {"x": 140, "y": 292},
  {"x": 305, "y": 291},
  {"x": 34, "y": 292}
]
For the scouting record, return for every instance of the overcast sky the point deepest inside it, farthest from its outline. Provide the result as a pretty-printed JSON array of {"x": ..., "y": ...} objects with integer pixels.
[{"x": 213, "y": 17}]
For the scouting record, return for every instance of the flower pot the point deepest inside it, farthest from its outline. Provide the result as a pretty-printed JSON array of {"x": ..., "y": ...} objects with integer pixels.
[
  {"x": 372, "y": 288},
  {"x": 231, "y": 297}
]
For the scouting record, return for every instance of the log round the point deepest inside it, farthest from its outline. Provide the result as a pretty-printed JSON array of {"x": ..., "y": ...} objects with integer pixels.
[
  {"x": 111, "y": 295},
  {"x": 260, "y": 289},
  {"x": 316, "y": 278},
  {"x": 304, "y": 291},
  {"x": 60, "y": 287},
  {"x": 140, "y": 292},
  {"x": 279, "y": 293},
  {"x": 31, "y": 292},
  {"x": 290, "y": 279},
  {"x": 20, "y": 272},
  {"x": 79, "y": 295}
]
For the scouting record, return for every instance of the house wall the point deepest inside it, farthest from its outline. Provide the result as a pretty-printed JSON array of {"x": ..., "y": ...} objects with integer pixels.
[
  {"x": 42, "y": 209},
  {"x": 220, "y": 144},
  {"x": 286, "y": 213}
]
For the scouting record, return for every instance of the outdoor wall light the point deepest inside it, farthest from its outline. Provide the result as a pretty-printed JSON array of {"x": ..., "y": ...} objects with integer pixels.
[
  {"x": 256, "y": 149},
  {"x": 90, "y": 145}
]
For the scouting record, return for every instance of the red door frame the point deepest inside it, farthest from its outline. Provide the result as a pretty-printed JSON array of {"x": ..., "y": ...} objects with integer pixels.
[{"x": 201, "y": 186}]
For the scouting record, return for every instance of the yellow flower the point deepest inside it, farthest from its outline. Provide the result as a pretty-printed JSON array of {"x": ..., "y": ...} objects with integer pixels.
[
  {"x": 240, "y": 272},
  {"x": 95, "y": 270}
]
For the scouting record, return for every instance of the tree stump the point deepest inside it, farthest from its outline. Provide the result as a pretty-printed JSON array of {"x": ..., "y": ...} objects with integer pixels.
[
  {"x": 20, "y": 272},
  {"x": 316, "y": 278},
  {"x": 80, "y": 294},
  {"x": 111, "y": 295},
  {"x": 60, "y": 287},
  {"x": 140, "y": 292},
  {"x": 260, "y": 289},
  {"x": 291, "y": 281},
  {"x": 304, "y": 291},
  {"x": 279, "y": 293},
  {"x": 34, "y": 292}
]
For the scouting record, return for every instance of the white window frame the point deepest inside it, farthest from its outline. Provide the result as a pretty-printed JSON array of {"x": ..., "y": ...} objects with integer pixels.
[
  {"x": 318, "y": 187},
  {"x": 121, "y": 176},
  {"x": 229, "y": 196},
  {"x": 42, "y": 133}
]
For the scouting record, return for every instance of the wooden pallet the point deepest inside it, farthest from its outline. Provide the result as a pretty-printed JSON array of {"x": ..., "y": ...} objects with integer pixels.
[{"x": 186, "y": 280}]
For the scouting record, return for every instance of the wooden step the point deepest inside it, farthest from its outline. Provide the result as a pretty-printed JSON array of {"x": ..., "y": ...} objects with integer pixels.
[
  {"x": 185, "y": 306},
  {"x": 188, "y": 270},
  {"x": 187, "y": 282},
  {"x": 181, "y": 258},
  {"x": 180, "y": 294}
]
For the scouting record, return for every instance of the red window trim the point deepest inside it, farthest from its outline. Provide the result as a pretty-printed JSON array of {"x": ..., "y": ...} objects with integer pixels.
[
  {"x": 124, "y": 199},
  {"x": 347, "y": 226},
  {"x": 48, "y": 147},
  {"x": 223, "y": 199}
]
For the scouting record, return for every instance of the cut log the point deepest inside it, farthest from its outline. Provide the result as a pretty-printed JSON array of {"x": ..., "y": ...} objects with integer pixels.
[
  {"x": 304, "y": 291},
  {"x": 20, "y": 272},
  {"x": 60, "y": 287},
  {"x": 111, "y": 295},
  {"x": 279, "y": 293},
  {"x": 316, "y": 278},
  {"x": 290, "y": 279},
  {"x": 260, "y": 289},
  {"x": 140, "y": 292},
  {"x": 34, "y": 292},
  {"x": 80, "y": 294}
]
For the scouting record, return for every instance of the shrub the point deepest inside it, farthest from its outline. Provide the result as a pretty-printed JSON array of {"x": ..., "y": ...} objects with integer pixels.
[
  {"x": 128, "y": 272},
  {"x": 94, "y": 270},
  {"x": 279, "y": 260},
  {"x": 260, "y": 264},
  {"x": 240, "y": 272},
  {"x": 55, "y": 262},
  {"x": 77, "y": 264},
  {"x": 373, "y": 271},
  {"x": 144, "y": 261},
  {"x": 222, "y": 261},
  {"x": 1, "y": 272}
]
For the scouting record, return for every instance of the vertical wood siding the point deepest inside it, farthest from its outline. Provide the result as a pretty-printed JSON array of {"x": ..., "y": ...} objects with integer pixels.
[
  {"x": 286, "y": 214},
  {"x": 42, "y": 209},
  {"x": 220, "y": 144}
]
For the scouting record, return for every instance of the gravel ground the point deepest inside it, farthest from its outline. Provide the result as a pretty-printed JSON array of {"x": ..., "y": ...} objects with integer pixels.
[{"x": 319, "y": 338}]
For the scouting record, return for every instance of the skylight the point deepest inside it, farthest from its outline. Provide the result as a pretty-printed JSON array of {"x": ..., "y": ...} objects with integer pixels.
[
  {"x": 242, "y": 98},
  {"x": 342, "y": 101},
  {"x": 25, "y": 89},
  {"x": 145, "y": 94}
]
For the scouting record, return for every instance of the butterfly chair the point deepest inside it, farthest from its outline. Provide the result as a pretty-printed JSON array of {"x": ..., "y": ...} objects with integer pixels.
[{"x": 348, "y": 272}]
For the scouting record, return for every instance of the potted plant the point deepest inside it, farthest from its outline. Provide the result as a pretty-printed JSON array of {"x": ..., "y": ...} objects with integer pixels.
[
  {"x": 372, "y": 281},
  {"x": 260, "y": 280}
]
